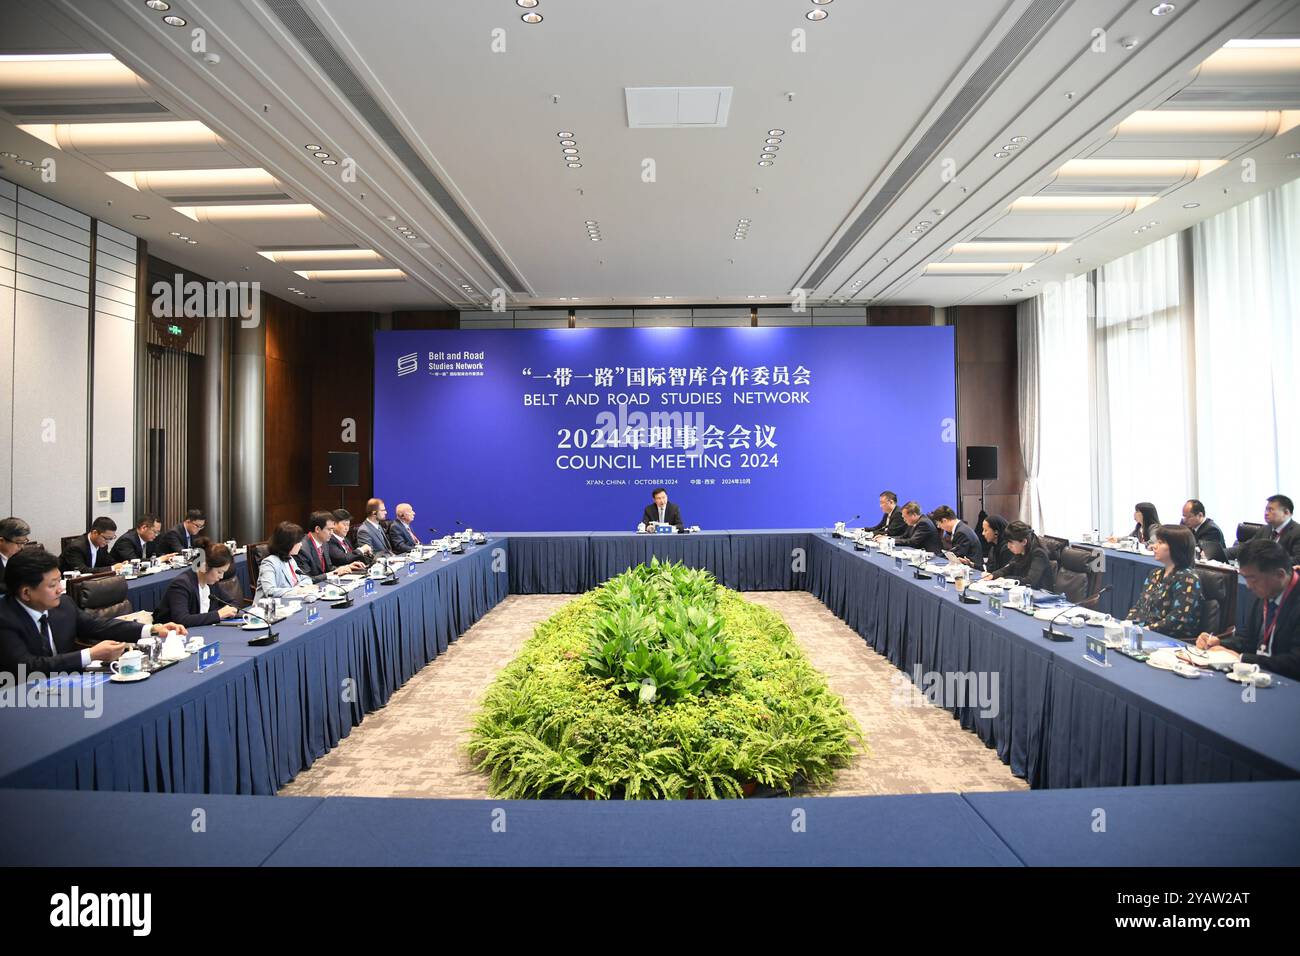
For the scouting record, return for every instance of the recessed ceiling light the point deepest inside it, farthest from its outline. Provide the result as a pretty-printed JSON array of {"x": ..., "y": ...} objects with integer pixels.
[
  {"x": 768, "y": 156},
  {"x": 329, "y": 162},
  {"x": 162, "y": 6},
  {"x": 765, "y": 162},
  {"x": 527, "y": 4},
  {"x": 192, "y": 242},
  {"x": 139, "y": 215},
  {"x": 321, "y": 154},
  {"x": 1017, "y": 290},
  {"x": 1129, "y": 43},
  {"x": 24, "y": 162},
  {"x": 312, "y": 146},
  {"x": 773, "y": 141},
  {"x": 9, "y": 155},
  {"x": 776, "y": 132},
  {"x": 924, "y": 223},
  {"x": 175, "y": 234},
  {"x": 174, "y": 21},
  {"x": 771, "y": 148},
  {"x": 565, "y": 135},
  {"x": 574, "y": 165},
  {"x": 1293, "y": 155},
  {"x": 1001, "y": 154},
  {"x": 1019, "y": 139},
  {"x": 1162, "y": 9},
  {"x": 595, "y": 238},
  {"x": 182, "y": 237},
  {"x": 570, "y": 150},
  {"x": 568, "y": 142},
  {"x": 746, "y": 220},
  {"x": 1011, "y": 147},
  {"x": 531, "y": 18},
  {"x": 815, "y": 15}
]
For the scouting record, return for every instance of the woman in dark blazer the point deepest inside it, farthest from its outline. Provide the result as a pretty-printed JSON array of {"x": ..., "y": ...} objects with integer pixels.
[
  {"x": 189, "y": 599},
  {"x": 995, "y": 550},
  {"x": 1027, "y": 560},
  {"x": 1147, "y": 520}
]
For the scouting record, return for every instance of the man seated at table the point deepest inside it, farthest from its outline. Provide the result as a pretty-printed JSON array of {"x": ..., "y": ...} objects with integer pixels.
[
  {"x": 891, "y": 522},
  {"x": 315, "y": 557},
  {"x": 138, "y": 543},
  {"x": 1028, "y": 560},
  {"x": 40, "y": 625},
  {"x": 371, "y": 534},
  {"x": 339, "y": 548},
  {"x": 14, "y": 536},
  {"x": 921, "y": 532},
  {"x": 1271, "y": 637},
  {"x": 662, "y": 511},
  {"x": 184, "y": 534},
  {"x": 1278, "y": 528},
  {"x": 91, "y": 553},
  {"x": 965, "y": 543},
  {"x": 400, "y": 536},
  {"x": 1209, "y": 536}
]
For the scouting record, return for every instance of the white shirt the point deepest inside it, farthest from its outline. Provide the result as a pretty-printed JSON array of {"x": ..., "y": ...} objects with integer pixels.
[
  {"x": 85, "y": 651},
  {"x": 94, "y": 551},
  {"x": 661, "y": 514},
  {"x": 205, "y": 598}
]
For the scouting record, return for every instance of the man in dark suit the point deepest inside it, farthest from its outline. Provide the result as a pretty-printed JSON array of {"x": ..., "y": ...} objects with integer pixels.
[
  {"x": 14, "y": 536},
  {"x": 1271, "y": 637},
  {"x": 91, "y": 553},
  {"x": 962, "y": 539},
  {"x": 313, "y": 556},
  {"x": 1209, "y": 536},
  {"x": 400, "y": 536},
  {"x": 921, "y": 532},
  {"x": 661, "y": 510},
  {"x": 138, "y": 543},
  {"x": 1278, "y": 528},
  {"x": 40, "y": 626},
  {"x": 184, "y": 534},
  {"x": 371, "y": 534},
  {"x": 339, "y": 549},
  {"x": 891, "y": 522}
]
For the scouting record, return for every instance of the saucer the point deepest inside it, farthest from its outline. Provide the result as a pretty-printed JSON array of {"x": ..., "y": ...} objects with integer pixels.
[
  {"x": 254, "y": 627},
  {"x": 129, "y": 678}
]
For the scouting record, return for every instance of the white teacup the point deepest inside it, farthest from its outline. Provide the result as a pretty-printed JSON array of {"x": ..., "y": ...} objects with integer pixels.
[
  {"x": 129, "y": 664},
  {"x": 640, "y": 527},
  {"x": 1243, "y": 671},
  {"x": 173, "y": 644}
]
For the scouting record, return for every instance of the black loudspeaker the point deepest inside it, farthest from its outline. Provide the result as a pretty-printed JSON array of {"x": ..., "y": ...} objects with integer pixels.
[
  {"x": 981, "y": 462},
  {"x": 344, "y": 469}
]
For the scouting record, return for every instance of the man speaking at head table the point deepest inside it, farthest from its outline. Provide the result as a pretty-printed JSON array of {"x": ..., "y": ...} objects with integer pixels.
[
  {"x": 891, "y": 522},
  {"x": 40, "y": 626},
  {"x": 662, "y": 511}
]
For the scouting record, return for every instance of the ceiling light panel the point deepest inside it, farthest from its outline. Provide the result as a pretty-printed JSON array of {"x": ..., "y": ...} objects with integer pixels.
[{"x": 166, "y": 145}]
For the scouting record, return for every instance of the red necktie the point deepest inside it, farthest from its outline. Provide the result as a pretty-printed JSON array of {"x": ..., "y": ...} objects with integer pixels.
[
  {"x": 320, "y": 555},
  {"x": 347, "y": 548}
]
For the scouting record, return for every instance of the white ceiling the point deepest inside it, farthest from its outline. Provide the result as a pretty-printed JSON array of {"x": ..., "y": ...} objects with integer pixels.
[{"x": 874, "y": 78}]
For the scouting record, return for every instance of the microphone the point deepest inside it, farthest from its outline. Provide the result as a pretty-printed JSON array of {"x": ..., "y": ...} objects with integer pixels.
[
  {"x": 1052, "y": 634},
  {"x": 226, "y": 601}
]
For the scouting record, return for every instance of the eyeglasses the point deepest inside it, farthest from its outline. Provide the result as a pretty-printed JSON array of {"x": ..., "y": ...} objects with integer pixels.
[{"x": 21, "y": 542}]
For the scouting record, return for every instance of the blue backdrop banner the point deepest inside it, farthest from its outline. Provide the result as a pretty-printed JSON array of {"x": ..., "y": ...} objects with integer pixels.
[{"x": 571, "y": 429}]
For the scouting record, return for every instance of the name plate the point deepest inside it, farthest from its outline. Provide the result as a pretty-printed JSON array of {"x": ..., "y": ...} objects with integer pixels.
[
  {"x": 942, "y": 583},
  {"x": 370, "y": 586},
  {"x": 209, "y": 655},
  {"x": 898, "y": 562},
  {"x": 410, "y": 568},
  {"x": 313, "y": 614},
  {"x": 995, "y": 605},
  {"x": 1094, "y": 650},
  {"x": 664, "y": 529}
]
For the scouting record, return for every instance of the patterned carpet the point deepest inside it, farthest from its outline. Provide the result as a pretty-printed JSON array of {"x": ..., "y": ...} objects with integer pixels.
[{"x": 413, "y": 746}]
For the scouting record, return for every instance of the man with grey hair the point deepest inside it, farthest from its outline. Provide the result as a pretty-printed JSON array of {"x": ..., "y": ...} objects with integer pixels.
[
  {"x": 401, "y": 538},
  {"x": 14, "y": 536}
]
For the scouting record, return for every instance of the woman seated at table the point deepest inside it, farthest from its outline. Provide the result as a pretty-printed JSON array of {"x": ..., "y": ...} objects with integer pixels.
[
  {"x": 1171, "y": 600},
  {"x": 1147, "y": 520},
  {"x": 1027, "y": 560},
  {"x": 189, "y": 599},
  {"x": 278, "y": 574},
  {"x": 992, "y": 529}
]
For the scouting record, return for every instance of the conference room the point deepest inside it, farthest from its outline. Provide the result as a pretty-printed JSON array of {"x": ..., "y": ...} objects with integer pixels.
[{"x": 800, "y": 433}]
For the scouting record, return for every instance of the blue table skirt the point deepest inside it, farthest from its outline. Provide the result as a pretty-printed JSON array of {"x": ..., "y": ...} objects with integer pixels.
[
  {"x": 1143, "y": 826},
  {"x": 251, "y": 723},
  {"x": 1060, "y": 721},
  {"x": 145, "y": 594},
  {"x": 1127, "y": 573}
]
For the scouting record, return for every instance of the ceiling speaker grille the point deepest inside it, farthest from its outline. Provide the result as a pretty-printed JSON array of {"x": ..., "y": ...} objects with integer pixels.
[
  {"x": 972, "y": 93},
  {"x": 304, "y": 29}
]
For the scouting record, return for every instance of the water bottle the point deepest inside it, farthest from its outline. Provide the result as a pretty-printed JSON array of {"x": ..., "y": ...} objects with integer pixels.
[{"x": 446, "y": 553}]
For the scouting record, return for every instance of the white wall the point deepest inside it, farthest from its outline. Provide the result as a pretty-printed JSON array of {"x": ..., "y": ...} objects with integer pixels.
[{"x": 113, "y": 444}]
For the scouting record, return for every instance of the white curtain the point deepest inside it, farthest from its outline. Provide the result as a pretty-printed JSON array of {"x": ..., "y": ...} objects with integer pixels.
[
  {"x": 1246, "y": 268},
  {"x": 1144, "y": 417},
  {"x": 1056, "y": 436}
]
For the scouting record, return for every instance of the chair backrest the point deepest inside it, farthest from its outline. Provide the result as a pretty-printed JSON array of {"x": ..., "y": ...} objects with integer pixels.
[
  {"x": 67, "y": 540},
  {"x": 1212, "y": 550},
  {"x": 256, "y": 553},
  {"x": 230, "y": 587},
  {"x": 1247, "y": 530},
  {"x": 1074, "y": 575},
  {"x": 1219, "y": 598},
  {"x": 1054, "y": 546},
  {"x": 100, "y": 595}
]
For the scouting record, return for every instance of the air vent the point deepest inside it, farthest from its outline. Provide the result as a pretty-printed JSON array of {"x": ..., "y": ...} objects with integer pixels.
[
  {"x": 304, "y": 29},
  {"x": 219, "y": 198},
  {"x": 968, "y": 98},
  {"x": 677, "y": 107},
  {"x": 32, "y": 111}
]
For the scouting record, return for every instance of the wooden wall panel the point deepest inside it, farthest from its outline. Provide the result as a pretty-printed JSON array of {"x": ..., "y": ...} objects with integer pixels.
[
  {"x": 987, "y": 404},
  {"x": 293, "y": 356},
  {"x": 344, "y": 391},
  {"x": 432, "y": 319},
  {"x": 900, "y": 315}
]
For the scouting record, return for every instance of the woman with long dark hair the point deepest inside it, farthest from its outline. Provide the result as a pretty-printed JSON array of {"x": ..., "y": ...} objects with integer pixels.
[{"x": 1171, "y": 599}]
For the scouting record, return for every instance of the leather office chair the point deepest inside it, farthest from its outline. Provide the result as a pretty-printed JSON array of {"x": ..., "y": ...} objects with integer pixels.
[
  {"x": 256, "y": 552},
  {"x": 100, "y": 595},
  {"x": 1247, "y": 530},
  {"x": 1074, "y": 575},
  {"x": 1213, "y": 551},
  {"x": 230, "y": 588},
  {"x": 1055, "y": 546},
  {"x": 1218, "y": 597}
]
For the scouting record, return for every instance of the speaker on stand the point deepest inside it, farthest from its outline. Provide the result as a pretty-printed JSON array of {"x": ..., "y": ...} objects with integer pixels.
[
  {"x": 343, "y": 470},
  {"x": 982, "y": 466}
]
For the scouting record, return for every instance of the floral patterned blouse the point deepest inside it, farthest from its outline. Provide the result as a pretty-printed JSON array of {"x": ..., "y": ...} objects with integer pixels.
[{"x": 1173, "y": 606}]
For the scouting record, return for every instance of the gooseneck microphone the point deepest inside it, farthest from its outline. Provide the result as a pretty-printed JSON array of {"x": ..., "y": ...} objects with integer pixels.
[{"x": 1052, "y": 634}]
